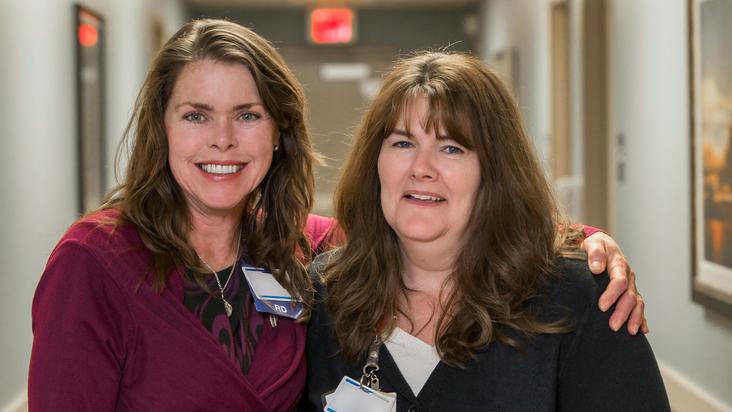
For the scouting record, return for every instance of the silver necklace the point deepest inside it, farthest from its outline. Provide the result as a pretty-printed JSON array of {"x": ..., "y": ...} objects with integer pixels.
[{"x": 227, "y": 305}]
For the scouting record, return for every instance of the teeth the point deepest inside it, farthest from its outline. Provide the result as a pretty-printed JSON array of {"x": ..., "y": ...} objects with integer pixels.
[
  {"x": 220, "y": 169},
  {"x": 427, "y": 198}
]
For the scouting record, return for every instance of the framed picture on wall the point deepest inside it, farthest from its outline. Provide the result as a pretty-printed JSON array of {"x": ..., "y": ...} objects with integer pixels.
[
  {"x": 711, "y": 133},
  {"x": 89, "y": 35}
]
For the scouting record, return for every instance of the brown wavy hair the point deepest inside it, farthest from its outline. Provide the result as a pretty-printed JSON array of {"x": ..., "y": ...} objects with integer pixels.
[
  {"x": 151, "y": 199},
  {"x": 511, "y": 238}
]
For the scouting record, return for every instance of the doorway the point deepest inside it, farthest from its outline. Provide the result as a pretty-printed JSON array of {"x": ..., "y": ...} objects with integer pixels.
[{"x": 598, "y": 147}]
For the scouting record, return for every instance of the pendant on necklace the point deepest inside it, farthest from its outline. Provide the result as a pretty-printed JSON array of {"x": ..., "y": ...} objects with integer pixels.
[
  {"x": 273, "y": 320},
  {"x": 229, "y": 309}
]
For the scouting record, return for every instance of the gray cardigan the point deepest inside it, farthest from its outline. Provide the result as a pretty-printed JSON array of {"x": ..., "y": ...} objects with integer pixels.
[{"x": 590, "y": 368}]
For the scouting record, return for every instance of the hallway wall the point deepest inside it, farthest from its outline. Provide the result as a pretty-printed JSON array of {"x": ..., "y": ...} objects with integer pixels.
[
  {"x": 38, "y": 169},
  {"x": 649, "y": 72},
  {"x": 650, "y": 82},
  {"x": 523, "y": 26}
]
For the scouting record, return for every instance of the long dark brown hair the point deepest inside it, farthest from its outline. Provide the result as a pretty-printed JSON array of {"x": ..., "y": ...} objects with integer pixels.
[
  {"x": 151, "y": 199},
  {"x": 511, "y": 237}
]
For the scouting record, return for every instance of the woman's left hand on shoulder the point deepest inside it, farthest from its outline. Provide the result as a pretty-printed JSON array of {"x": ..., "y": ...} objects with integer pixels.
[{"x": 603, "y": 251}]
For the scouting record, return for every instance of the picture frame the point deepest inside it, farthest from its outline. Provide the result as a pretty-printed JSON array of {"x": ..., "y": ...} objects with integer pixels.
[
  {"x": 710, "y": 74},
  {"x": 90, "y": 72}
]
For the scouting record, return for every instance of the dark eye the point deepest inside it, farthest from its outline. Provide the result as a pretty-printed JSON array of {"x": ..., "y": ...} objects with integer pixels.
[
  {"x": 250, "y": 117},
  {"x": 195, "y": 117},
  {"x": 453, "y": 150},
  {"x": 402, "y": 144}
]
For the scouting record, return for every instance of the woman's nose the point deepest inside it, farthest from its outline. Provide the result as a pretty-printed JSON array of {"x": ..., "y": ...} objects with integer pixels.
[
  {"x": 423, "y": 165},
  {"x": 224, "y": 136}
]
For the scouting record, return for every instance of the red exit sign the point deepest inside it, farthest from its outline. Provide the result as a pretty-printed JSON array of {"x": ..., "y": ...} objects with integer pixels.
[{"x": 332, "y": 25}]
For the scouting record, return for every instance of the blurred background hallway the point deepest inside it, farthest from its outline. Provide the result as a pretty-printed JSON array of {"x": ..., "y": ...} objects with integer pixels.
[{"x": 607, "y": 88}]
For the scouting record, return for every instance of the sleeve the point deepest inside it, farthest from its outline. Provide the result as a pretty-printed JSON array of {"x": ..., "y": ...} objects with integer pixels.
[
  {"x": 81, "y": 326},
  {"x": 324, "y": 233},
  {"x": 605, "y": 370},
  {"x": 589, "y": 230}
]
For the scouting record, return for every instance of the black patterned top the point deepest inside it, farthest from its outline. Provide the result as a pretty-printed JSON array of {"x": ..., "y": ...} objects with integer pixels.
[{"x": 238, "y": 334}]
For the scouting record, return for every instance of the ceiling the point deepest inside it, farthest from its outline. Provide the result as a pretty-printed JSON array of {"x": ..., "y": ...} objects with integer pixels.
[{"x": 325, "y": 3}]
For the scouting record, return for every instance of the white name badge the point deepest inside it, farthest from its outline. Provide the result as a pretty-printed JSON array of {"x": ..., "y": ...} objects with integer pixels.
[
  {"x": 350, "y": 396},
  {"x": 269, "y": 296}
]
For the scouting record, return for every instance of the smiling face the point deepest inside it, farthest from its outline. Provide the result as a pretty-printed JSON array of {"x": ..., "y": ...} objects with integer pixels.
[
  {"x": 429, "y": 182},
  {"x": 220, "y": 136}
]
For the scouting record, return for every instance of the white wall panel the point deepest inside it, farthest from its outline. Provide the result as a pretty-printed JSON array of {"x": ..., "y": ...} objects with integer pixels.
[{"x": 38, "y": 160}]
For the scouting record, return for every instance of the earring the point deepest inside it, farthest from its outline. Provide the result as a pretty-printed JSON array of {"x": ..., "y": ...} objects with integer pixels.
[{"x": 276, "y": 147}]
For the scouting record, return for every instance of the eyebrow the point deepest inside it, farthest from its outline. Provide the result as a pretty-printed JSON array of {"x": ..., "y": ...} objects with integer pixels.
[
  {"x": 401, "y": 132},
  {"x": 208, "y": 107}
]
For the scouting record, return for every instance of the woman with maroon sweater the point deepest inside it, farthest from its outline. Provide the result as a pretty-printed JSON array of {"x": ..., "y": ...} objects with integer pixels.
[{"x": 143, "y": 305}]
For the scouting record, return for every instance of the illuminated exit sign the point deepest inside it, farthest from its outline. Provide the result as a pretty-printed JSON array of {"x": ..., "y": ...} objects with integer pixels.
[{"x": 332, "y": 26}]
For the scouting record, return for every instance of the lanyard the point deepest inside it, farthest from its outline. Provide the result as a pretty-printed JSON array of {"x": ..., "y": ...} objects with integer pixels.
[
  {"x": 369, "y": 377},
  {"x": 364, "y": 394}
]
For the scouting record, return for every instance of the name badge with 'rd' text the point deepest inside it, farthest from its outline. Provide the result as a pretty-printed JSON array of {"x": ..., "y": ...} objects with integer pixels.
[{"x": 269, "y": 296}]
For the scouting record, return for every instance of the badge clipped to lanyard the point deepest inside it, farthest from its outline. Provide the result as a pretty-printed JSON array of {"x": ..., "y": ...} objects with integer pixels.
[
  {"x": 363, "y": 395},
  {"x": 269, "y": 296}
]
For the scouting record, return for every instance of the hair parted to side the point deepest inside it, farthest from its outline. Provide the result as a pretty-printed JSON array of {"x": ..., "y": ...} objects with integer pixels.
[
  {"x": 511, "y": 239},
  {"x": 151, "y": 199}
]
